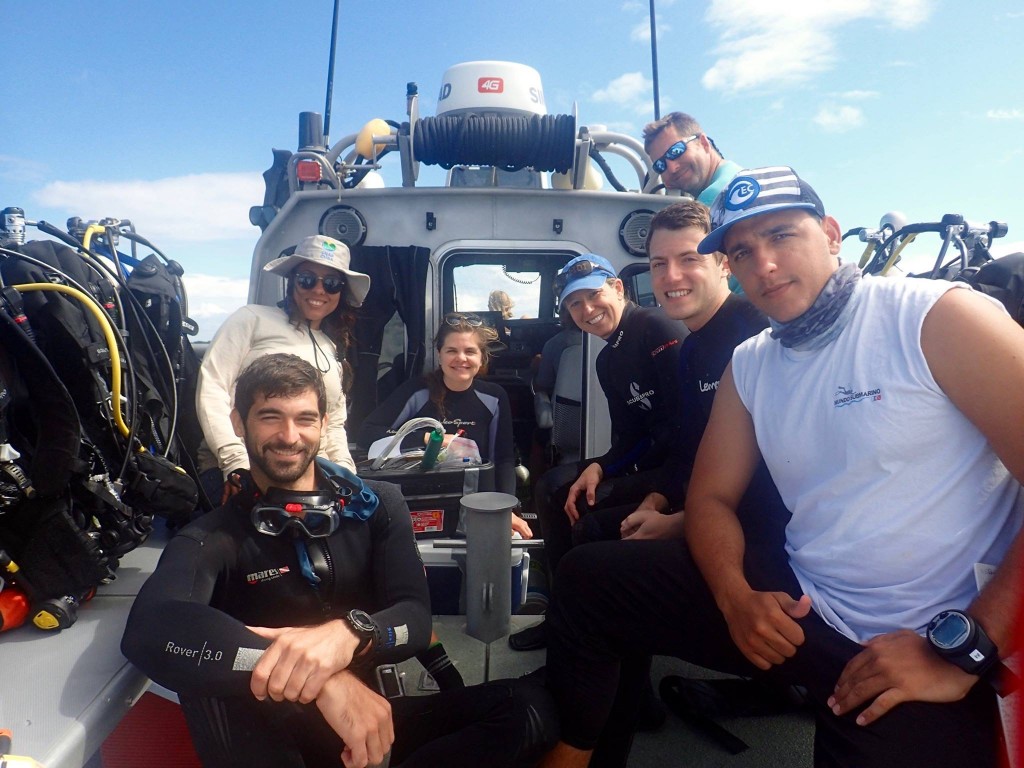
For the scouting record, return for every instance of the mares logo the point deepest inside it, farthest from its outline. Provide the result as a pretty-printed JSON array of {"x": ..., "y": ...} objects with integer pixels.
[
  {"x": 268, "y": 575},
  {"x": 490, "y": 85},
  {"x": 639, "y": 397}
]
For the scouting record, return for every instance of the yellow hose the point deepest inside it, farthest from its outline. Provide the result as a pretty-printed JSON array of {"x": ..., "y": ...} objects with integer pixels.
[
  {"x": 896, "y": 253},
  {"x": 92, "y": 229},
  {"x": 868, "y": 250},
  {"x": 108, "y": 334}
]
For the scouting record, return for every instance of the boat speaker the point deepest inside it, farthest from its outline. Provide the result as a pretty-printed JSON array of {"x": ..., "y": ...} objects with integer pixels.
[
  {"x": 633, "y": 232},
  {"x": 344, "y": 223}
]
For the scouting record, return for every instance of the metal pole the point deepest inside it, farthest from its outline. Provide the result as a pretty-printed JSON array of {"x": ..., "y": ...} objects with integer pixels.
[
  {"x": 654, "y": 63},
  {"x": 330, "y": 74}
]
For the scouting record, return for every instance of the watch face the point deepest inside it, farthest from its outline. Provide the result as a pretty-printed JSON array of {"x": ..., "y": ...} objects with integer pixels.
[
  {"x": 950, "y": 630},
  {"x": 361, "y": 621}
]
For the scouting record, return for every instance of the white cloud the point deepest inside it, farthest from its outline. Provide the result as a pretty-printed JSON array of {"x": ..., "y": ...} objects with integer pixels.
[
  {"x": 631, "y": 91},
  {"x": 641, "y": 32},
  {"x": 211, "y": 299},
  {"x": 839, "y": 118},
  {"x": 625, "y": 88},
  {"x": 1005, "y": 114},
  {"x": 198, "y": 207},
  {"x": 779, "y": 43}
]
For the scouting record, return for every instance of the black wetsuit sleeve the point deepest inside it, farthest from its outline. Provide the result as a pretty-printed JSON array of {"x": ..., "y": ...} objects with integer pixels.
[
  {"x": 177, "y": 639},
  {"x": 504, "y": 448},
  {"x": 645, "y": 438},
  {"x": 388, "y": 417},
  {"x": 398, "y": 576}
]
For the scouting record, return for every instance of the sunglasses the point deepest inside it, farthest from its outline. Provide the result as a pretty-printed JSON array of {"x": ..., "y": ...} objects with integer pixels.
[
  {"x": 576, "y": 271},
  {"x": 317, "y": 517},
  {"x": 307, "y": 281},
  {"x": 456, "y": 319},
  {"x": 674, "y": 152}
]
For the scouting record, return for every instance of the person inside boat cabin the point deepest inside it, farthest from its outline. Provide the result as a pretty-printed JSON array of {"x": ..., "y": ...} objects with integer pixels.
[
  {"x": 269, "y": 615},
  {"x": 888, "y": 412},
  {"x": 639, "y": 373},
  {"x": 687, "y": 158},
  {"x": 454, "y": 394}
]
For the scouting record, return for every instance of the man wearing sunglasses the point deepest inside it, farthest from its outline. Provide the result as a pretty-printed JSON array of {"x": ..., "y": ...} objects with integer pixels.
[
  {"x": 271, "y": 615},
  {"x": 686, "y": 158}
]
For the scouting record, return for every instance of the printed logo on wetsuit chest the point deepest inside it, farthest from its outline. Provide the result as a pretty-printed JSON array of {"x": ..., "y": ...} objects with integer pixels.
[
  {"x": 638, "y": 397},
  {"x": 844, "y": 396},
  {"x": 268, "y": 575}
]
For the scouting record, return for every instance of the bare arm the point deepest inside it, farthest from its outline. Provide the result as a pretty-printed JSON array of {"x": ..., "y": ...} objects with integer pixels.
[
  {"x": 761, "y": 623},
  {"x": 976, "y": 354}
]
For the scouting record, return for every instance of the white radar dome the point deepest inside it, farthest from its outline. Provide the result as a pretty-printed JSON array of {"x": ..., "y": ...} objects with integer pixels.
[{"x": 497, "y": 87}]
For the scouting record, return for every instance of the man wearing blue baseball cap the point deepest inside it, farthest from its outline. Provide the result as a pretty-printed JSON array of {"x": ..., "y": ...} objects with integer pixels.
[
  {"x": 639, "y": 373},
  {"x": 888, "y": 412}
]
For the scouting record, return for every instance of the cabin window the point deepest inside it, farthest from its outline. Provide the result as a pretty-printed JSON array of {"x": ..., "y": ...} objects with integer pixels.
[{"x": 482, "y": 287}]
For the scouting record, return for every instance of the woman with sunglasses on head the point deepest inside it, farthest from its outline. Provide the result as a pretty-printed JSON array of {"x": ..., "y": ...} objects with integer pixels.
[
  {"x": 314, "y": 321},
  {"x": 477, "y": 410},
  {"x": 454, "y": 395}
]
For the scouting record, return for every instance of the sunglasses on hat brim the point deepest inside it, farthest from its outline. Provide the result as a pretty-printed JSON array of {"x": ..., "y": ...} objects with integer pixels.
[{"x": 575, "y": 272}]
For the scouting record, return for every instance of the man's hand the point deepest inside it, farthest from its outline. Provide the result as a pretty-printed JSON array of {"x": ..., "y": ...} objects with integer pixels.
[
  {"x": 647, "y": 523},
  {"x": 586, "y": 484},
  {"x": 360, "y": 717},
  {"x": 893, "y": 668},
  {"x": 521, "y": 527},
  {"x": 301, "y": 659},
  {"x": 762, "y": 625}
]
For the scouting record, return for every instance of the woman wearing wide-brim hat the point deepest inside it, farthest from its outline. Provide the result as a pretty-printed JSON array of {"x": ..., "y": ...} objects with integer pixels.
[{"x": 314, "y": 321}]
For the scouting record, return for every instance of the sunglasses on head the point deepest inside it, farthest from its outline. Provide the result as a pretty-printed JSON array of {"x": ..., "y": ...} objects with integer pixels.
[
  {"x": 672, "y": 153},
  {"x": 456, "y": 319},
  {"x": 307, "y": 281},
  {"x": 576, "y": 271}
]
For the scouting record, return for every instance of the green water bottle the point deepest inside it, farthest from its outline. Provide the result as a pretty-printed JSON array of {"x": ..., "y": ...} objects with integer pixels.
[{"x": 433, "y": 449}]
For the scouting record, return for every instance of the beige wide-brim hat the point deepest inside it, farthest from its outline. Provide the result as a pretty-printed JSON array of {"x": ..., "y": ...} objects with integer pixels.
[{"x": 318, "y": 249}]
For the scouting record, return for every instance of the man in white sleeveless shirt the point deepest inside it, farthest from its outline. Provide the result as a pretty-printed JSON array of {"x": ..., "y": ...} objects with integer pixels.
[{"x": 889, "y": 413}]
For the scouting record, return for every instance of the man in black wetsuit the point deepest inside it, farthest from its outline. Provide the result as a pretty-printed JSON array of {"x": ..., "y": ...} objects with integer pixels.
[{"x": 270, "y": 615}]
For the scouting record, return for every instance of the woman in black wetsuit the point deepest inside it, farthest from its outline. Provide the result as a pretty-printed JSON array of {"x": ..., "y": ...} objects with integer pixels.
[{"x": 454, "y": 395}]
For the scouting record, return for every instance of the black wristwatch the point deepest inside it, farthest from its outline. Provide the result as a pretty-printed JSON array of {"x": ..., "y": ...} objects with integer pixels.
[
  {"x": 365, "y": 628},
  {"x": 962, "y": 641}
]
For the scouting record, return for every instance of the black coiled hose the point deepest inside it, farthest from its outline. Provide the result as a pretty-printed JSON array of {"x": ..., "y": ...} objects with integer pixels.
[{"x": 511, "y": 142}]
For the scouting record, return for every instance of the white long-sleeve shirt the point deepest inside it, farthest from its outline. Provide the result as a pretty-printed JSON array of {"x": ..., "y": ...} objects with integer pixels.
[{"x": 251, "y": 332}]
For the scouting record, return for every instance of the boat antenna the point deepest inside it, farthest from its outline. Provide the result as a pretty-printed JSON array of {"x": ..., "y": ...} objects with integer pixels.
[
  {"x": 330, "y": 75},
  {"x": 654, "y": 64}
]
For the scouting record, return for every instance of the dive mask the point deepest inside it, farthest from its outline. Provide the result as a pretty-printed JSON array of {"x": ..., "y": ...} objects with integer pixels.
[{"x": 314, "y": 513}]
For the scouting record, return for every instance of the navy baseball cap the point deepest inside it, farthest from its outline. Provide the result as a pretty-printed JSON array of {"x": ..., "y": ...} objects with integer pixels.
[
  {"x": 588, "y": 271},
  {"x": 756, "y": 191}
]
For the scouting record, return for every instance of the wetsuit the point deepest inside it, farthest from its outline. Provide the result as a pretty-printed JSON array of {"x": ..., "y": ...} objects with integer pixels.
[
  {"x": 639, "y": 372},
  {"x": 705, "y": 354},
  {"x": 187, "y": 631},
  {"x": 482, "y": 411}
]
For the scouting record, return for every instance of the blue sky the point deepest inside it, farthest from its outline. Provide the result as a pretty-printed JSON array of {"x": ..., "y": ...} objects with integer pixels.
[{"x": 166, "y": 113}]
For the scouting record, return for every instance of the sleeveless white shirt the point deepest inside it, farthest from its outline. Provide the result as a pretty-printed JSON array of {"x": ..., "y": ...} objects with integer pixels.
[{"x": 895, "y": 495}]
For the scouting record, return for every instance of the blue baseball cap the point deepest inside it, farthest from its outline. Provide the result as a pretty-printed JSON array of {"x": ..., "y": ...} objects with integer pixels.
[
  {"x": 588, "y": 271},
  {"x": 756, "y": 191}
]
